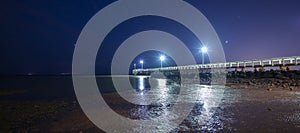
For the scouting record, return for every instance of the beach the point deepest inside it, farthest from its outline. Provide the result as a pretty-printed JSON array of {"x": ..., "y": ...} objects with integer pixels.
[{"x": 238, "y": 109}]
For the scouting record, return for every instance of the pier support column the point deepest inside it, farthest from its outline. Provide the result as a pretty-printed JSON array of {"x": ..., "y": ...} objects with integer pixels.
[
  {"x": 236, "y": 69},
  {"x": 243, "y": 69},
  {"x": 281, "y": 67},
  {"x": 263, "y": 68},
  {"x": 288, "y": 68}
]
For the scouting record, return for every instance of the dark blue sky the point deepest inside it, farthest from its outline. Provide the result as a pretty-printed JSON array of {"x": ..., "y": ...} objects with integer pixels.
[{"x": 39, "y": 36}]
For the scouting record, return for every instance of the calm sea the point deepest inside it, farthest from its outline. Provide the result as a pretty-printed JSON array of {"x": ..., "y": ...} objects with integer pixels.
[{"x": 53, "y": 86}]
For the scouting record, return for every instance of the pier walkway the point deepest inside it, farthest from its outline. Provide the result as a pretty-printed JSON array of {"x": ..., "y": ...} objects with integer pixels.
[{"x": 281, "y": 62}]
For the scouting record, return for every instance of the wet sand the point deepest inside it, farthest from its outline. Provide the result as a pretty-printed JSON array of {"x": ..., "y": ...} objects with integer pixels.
[
  {"x": 237, "y": 110},
  {"x": 241, "y": 110}
]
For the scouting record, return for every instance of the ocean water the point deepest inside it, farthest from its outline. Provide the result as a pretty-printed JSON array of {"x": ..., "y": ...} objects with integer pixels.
[
  {"x": 48, "y": 86},
  {"x": 61, "y": 86}
]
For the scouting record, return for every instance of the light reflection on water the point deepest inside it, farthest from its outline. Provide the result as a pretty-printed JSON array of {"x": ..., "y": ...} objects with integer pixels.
[
  {"x": 141, "y": 83},
  {"x": 206, "y": 99},
  {"x": 214, "y": 108}
]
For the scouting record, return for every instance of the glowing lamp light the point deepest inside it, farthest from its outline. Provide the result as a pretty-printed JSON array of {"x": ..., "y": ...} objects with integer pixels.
[
  {"x": 204, "y": 49},
  {"x": 162, "y": 58},
  {"x": 142, "y": 64}
]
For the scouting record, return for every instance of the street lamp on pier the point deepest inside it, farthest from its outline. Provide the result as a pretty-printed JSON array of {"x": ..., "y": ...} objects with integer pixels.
[
  {"x": 142, "y": 64},
  {"x": 162, "y": 58},
  {"x": 203, "y": 51}
]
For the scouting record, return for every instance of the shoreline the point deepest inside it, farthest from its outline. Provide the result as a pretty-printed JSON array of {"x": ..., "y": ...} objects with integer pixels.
[{"x": 65, "y": 115}]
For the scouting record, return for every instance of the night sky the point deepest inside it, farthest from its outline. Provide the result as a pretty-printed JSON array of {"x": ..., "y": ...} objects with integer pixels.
[{"x": 39, "y": 36}]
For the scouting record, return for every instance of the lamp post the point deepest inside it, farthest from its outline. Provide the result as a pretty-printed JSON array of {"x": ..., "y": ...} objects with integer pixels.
[
  {"x": 162, "y": 58},
  {"x": 203, "y": 50},
  {"x": 142, "y": 64}
]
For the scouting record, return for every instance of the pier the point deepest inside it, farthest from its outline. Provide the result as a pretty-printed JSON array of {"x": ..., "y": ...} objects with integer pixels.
[{"x": 274, "y": 62}]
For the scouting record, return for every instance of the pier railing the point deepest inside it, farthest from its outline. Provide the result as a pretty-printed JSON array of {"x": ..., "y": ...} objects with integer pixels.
[{"x": 283, "y": 61}]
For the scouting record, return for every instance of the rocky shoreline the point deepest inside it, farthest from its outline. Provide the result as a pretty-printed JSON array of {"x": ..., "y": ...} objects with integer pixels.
[
  {"x": 272, "y": 79},
  {"x": 269, "y": 79}
]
